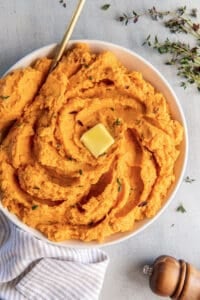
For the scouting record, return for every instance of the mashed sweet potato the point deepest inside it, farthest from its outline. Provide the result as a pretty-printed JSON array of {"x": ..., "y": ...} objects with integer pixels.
[{"x": 48, "y": 177}]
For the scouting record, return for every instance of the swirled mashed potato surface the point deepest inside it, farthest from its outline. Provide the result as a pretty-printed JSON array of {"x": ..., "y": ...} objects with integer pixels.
[{"x": 50, "y": 180}]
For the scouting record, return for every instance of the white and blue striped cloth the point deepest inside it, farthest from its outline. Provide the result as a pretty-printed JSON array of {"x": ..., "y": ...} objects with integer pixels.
[{"x": 34, "y": 270}]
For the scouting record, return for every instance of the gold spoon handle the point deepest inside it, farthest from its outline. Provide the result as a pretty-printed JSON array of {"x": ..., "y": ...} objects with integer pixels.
[{"x": 67, "y": 35}]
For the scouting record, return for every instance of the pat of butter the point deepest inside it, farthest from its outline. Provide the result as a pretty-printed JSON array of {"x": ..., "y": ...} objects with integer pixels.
[{"x": 97, "y": 139}]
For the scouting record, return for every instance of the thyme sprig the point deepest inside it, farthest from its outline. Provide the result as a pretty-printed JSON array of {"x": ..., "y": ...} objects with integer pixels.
[
  {"x": 179, "y": 20},
  {"x": 185, "y": 57},
  {"x": 135, "y": 16},
  {"x": 183, "y": 24}
]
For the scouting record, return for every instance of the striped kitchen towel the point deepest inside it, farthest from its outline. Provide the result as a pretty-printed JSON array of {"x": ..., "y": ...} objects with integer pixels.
[{"x": 33, "y": 269}]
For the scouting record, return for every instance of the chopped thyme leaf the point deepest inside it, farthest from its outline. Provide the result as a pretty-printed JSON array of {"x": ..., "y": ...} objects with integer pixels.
[
  {"x": 155, "y": 110},
  {"x": 119, "y": 185},
  {"x": 4, "y": 97},
  {"x": 137, "y": 122},
  {"x": 80, "y": 123},
  {"x": 132, "y": 190},
  {"x": 188, "y": 179},
  {"x": 117, "y": 122},
  {"x": 181, "y": 208},
  {"x": 34, "y": 207},
  {"x": 86, "y": 65},
  {"x": 36, "y": 187},
  {"x": 80, "y": 172},
  {"x": 90, "y": 77},
  {"x": 73, "y": 112},
  {"x": 70, "y": 158},
  {"x": 103, "y": 154},
  {"x": 112, "y": 108},
  {"x": 141, "y": 204},
  {"x": 105, "y": 6}
]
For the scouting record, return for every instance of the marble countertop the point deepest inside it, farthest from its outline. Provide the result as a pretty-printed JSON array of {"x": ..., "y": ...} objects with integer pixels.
[{"x": 26, "y": 25}]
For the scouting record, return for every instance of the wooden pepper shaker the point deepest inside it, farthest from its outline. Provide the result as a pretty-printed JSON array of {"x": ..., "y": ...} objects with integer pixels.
[{"x": 173, "y": 278}]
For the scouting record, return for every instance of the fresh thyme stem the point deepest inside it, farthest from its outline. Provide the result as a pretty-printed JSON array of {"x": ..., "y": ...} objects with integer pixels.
[
  {"x": 178, "y": 20},
  {"x": 185, "y": 57}
]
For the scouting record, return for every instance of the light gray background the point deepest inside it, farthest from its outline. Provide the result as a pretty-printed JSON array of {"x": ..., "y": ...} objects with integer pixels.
[{"x": 29, "y": 24}]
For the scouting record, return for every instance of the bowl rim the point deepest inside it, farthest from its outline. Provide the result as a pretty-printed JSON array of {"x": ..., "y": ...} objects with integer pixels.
[{"x": 50, "y": 47}]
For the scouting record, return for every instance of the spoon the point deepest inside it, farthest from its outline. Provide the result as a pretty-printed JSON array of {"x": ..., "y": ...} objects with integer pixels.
[{"x": 67, "y": 35}]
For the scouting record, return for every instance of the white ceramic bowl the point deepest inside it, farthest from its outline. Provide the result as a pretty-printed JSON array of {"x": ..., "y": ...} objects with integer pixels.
[{"x": 133, "y": 62}]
